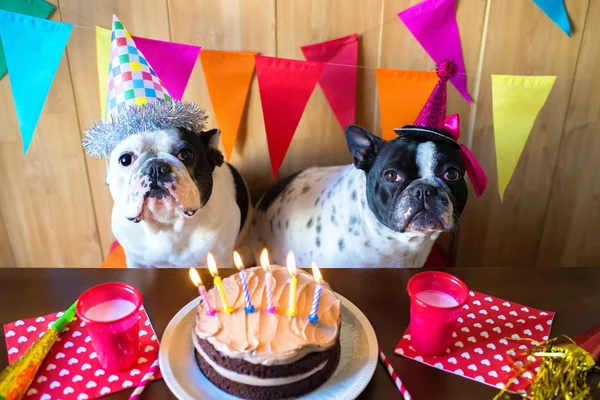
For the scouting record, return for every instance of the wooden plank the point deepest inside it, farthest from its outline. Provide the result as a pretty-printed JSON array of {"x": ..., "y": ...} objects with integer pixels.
[
  {"x": 231, "y": 25},
  {"x": 319, "y": 139},
  {"x": 7, "y": 258},
  {"x": 400, "y": 50},
  {"x": 571, "y": 225},
  {"x": 45, "y": 195},
  {"x": 521, "y": 40},
  {"x": 147, "y": 18}
]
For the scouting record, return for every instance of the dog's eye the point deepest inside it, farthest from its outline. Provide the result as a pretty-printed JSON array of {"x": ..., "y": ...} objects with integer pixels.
[
  {"x": 451, "y": 174},
  {"x": 392, "y": 176},
  {"x": 125, "y": 159},
  {"x": 185, "y": 155}
]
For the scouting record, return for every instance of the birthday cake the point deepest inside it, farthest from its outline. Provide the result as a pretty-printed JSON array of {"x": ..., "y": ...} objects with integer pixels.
[{"x": 263, "y": 355}]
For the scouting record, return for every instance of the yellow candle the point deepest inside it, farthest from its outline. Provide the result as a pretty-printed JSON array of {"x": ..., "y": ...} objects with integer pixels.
[
  {"x": 291, "y": 265},
  {"x": 212, "y": 267}
]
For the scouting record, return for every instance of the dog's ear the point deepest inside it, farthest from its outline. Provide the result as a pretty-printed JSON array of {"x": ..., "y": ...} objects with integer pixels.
[
  {"x": 211, "y": 141},
  {"x": 363, "y": 146}
]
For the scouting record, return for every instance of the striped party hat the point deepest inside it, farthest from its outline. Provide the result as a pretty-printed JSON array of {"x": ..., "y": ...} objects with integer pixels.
[
  {"x": 131, "y": 79},
  {"x": 136, "y": 100}
]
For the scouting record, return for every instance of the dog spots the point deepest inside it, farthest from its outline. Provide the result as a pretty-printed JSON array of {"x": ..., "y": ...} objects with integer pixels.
[
  {"x": 318, "y": 241},
  {"x": 318, "y": 228},
  {"x": 271, "y": 225},
  {"x": 354, "y": 195},
  {"x": 329, "y": 194},
  {"x": 368, "y": 244},
  {"x": 354, "y": 220},
  {"x": 279, "y": 224},
  {"x": 305, "y": 189},
  {"x": 350, "y": 182},
  {"x": 390, "y": 238},
  {"x": 309, "y": 223},
  {"x": 362, "y": 203},
  {"x": 317, "y": 201},
  {"x": 287, "y": 224},
  {"x": 341, "y": 244}
]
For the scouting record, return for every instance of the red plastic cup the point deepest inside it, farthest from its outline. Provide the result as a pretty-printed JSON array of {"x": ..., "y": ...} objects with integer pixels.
[
  {"x": 111, "y": 315},
  {"x": 436, "y": 300}
]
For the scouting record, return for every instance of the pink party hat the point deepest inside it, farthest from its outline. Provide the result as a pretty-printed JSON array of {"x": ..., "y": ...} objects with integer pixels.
[{"x": 433, "y": 113}]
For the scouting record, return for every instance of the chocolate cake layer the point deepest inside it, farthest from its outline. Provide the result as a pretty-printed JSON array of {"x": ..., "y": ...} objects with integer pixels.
[
  {"x": 306, "y": 364},
  {"x": 252, "y": 392}
]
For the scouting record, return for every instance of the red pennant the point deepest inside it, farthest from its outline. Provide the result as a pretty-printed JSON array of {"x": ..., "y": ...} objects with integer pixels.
[
  {"x": 338, "y": 79},
  {"x": 172, "y": 62},
  {"x": 285, "y": 87}
]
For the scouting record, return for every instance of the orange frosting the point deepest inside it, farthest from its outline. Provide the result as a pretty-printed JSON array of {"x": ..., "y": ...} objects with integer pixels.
[{"x": 264, "y": 338}]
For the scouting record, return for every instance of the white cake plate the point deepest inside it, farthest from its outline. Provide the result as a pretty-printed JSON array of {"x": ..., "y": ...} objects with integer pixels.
[{"x": 357, "y": 361}]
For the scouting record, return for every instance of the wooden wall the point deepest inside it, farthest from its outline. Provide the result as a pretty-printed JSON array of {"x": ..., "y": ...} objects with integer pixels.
[{"x": 55, "y": 209}]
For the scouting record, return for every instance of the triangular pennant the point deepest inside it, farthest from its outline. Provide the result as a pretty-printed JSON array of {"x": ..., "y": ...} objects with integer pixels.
[
  {"x": 228, "y": 76},
  {"x": 433, "y": 24},
  {"x": 517, "y": 100},
  {"x": 33, "y": 8},
  {"x": 285, "y": 87},
  {"x": 555, "y": 9},
  {"x": 402, "y": 95},
  {"x": 172, "y": 62},
  {"x": 338, "y": 79},
  {"x": 33, "y": 49},
  {"x": 103, "y": 61}
]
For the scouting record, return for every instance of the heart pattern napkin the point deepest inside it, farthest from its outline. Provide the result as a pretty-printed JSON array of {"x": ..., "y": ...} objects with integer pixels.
[
  {"x": 71, "y": 370},
  {"x": 483, "y": 343}
]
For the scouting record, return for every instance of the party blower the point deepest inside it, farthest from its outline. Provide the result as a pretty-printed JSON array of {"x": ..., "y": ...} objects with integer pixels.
[{"x": 17, "y": 377}]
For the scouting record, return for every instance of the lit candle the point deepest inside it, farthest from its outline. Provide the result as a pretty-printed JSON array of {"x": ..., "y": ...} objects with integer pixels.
[
  {"x": 291, "y": 265},
  {"x": 212, "y": 267},
  {"x": 240, "y": 266},
  {"x": 201, "y": 291},
  {"x": 313, "y": 317},
  {"x": 266, "y": 265}
]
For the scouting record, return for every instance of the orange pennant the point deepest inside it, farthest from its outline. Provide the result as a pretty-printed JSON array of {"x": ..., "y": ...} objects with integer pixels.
[
  {"x": 228, "y": 76},
  {"x": 402, "y": 95}
]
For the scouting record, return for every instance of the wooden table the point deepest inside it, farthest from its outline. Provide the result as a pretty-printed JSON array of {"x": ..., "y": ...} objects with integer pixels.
[{"x": 380, "y": 293}]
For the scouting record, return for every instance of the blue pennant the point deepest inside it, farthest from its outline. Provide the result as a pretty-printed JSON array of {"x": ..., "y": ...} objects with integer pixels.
[
  {"x": 555, "y": 9},
  {"x": 33, "y": 49}
]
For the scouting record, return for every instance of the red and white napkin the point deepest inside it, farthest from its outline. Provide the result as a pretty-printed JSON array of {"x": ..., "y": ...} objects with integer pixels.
[
  {"x": 481, "y": 348},
  {"x": 71, "y": 370}
]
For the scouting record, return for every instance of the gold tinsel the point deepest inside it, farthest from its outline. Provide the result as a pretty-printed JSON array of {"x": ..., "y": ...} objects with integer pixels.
[{"x": 563, "y": 371}]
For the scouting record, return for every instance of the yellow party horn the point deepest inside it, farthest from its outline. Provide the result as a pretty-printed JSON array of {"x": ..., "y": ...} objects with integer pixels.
[{"x": 17, "y": 377}]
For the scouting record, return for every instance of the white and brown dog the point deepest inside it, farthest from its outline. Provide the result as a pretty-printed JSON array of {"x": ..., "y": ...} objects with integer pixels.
[{"x": 175, "y": 199}]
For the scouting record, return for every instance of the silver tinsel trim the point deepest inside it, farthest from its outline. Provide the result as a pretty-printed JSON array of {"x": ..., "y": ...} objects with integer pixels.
[{"x": 103, "y": 136}]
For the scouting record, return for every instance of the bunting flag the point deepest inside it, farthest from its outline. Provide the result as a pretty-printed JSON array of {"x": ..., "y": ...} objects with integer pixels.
[
  {"x": 555, "y": 9},
  {"x": 516, "y": 101},
  {"x": 33, "y": 8},
  {"x": 285, "y": 87},
  {"x": 33, "y": 49},
  {"x": 228, "y": 76},
  {"x": 103, "y": 61},
  {"x": 402, "y": 95},
  {"x": 172, "y": 62},
  {"x": 433, "y": 24},
  {"x": 338, "y": 79}
]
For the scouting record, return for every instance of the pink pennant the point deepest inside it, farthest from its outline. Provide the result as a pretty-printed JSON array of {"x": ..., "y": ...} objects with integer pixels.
[
  {"x": 172, "y": 62},
  {"x": 474, "y": 170},
  {"x": 285, "y": 87},
  {"x": 338, "y": 79},
  {"x": 433, "y": 24}
]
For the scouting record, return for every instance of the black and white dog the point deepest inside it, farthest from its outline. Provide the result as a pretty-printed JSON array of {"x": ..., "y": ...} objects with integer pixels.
[
  {"x": 386, "y": 210},
  {"x": 175, "y": 199}
]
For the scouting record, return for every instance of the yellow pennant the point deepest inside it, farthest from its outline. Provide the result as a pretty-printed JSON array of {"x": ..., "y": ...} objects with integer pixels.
[
  {"x": 103, "y": 60},
  {"x": 516, "y": 101}
]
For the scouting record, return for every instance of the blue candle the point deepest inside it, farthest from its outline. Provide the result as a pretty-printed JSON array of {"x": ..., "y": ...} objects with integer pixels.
[
  {"x": 313, "y": 316},
  {"x": 240, "y": 266}
]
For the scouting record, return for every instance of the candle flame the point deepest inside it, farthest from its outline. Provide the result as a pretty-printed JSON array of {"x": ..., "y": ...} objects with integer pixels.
[
  {"x": 195, "y": 277},
  {"x": 316, "y": 273},
  {"x": 237, "y": 260},
  {"x": 291, "y": 263},
  {"x": 212, "y": 265},
  {"x": 264, "y": 260}
]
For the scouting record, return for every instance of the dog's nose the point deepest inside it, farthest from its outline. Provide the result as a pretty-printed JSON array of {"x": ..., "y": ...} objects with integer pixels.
[
  {"x": 156, "y": 169},
  {"x": 423, "y": 191}
]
